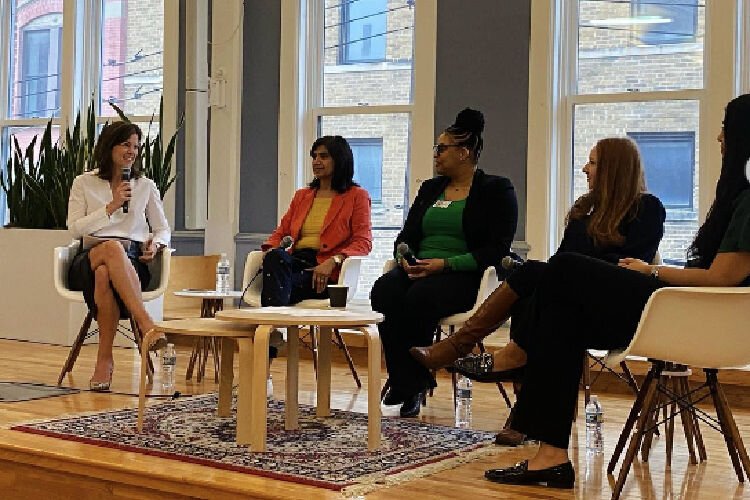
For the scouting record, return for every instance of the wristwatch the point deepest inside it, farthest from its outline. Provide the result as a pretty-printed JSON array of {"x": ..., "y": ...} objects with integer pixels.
[
  {"x": 338, "y": 259},
  {"x": 655, "y": 272}
]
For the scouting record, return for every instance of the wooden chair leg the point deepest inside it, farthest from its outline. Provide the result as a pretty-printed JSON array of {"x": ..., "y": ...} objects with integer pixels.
[
  {"x": 669, "y": 424},
  {"x": 702, "y": 455},
  {"x": 75, "y": 349},
  {"x": 646, "y": 414},
  {"x": 685, "y": 418},
  {"x": 734, "y": 431},
  {"x": 724, "y": 415},
  {"x": 193, "y": 358},
  {"x": 629, "y": 379},
  {"x": 215, "y": 351},
  {"x": 342, "y": 345},
  {"x": 653, "y": 418},
  {"x": 631, "y": 420}
]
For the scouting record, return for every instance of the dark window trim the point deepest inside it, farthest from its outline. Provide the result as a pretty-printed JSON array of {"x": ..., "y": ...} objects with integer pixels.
[
  {"x": 343, "y": 56},
  {"x": 671, "y": 136},
  {"x": 637, "y": 7},
  {"x": 371, "y": 141}
]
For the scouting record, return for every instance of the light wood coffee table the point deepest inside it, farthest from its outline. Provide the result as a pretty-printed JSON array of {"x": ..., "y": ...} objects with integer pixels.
[
  {"x": 250, "y": 329},
  {"x": 292, "y": 318}
]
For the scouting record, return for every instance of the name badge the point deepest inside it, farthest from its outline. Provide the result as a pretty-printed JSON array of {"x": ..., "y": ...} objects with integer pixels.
[{"x": 442, "y": 204}]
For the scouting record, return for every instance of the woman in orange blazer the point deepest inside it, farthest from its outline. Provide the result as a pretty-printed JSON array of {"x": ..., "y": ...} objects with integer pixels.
[{"x": 327, "y": 221}]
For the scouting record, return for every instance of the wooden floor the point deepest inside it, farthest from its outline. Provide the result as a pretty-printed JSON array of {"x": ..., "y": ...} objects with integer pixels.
[{"x": 38, "y": 467}]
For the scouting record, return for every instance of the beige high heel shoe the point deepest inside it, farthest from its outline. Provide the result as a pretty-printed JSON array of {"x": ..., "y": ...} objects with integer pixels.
[{"x": 101, "y": 386}]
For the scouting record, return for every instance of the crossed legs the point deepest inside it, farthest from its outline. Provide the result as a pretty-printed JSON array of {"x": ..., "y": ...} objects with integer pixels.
[{"x": 113, "y": 270}]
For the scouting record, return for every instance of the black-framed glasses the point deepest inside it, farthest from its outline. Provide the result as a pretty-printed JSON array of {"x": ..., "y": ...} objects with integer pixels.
[{"x": 439, "y": 148}]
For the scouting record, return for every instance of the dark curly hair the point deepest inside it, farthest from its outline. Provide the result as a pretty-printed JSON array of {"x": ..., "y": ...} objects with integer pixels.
[
  {"x": 732, "y": 181},
  {"x": 113, "y": 134},
  {"x": 343, "y": 162}
]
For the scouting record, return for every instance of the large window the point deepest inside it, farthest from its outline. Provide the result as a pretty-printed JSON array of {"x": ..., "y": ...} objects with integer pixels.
[
  {"x": 50, "y": 80},
  {"x": 633, "y": 78},
  {"x": 371, "y": 105}
]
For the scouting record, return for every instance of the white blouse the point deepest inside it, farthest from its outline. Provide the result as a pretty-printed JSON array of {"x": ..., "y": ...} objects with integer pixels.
[{"x": 87, "y": 211}]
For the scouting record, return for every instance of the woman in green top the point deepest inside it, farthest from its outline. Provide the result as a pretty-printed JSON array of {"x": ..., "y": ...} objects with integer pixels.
[
  {"x": 461, "y": 222},
  {"x": 578, "y": 295}
]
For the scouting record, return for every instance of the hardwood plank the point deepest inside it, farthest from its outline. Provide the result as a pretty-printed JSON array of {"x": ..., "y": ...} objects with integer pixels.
[{"x": 37, "y": 467}]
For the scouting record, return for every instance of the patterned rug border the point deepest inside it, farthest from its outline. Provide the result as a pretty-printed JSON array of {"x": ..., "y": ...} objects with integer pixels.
[{"x": 363, "y": 485}]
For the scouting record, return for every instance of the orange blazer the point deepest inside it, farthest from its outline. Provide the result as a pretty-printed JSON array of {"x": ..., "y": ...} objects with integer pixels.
[{"x": 346, "y": 229}]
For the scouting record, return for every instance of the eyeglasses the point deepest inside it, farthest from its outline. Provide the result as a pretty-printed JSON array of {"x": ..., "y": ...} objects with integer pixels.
[{"x": 439, "y": 148}]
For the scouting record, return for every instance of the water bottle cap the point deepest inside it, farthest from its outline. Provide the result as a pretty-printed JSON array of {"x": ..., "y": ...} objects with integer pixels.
[
  {"x": 170, "y": 345},
  {"x": 594, "y": 397}
]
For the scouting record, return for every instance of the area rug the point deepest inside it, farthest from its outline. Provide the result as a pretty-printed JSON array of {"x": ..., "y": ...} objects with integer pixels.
[
  {"x": 12, "y": 392},
  {"x": 326, "y": 452}
]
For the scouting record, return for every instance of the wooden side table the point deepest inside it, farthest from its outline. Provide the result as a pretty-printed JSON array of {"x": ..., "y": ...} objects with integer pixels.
[
  {"x": 292, "y": 318},
  {"x": 211, "y": 303}
]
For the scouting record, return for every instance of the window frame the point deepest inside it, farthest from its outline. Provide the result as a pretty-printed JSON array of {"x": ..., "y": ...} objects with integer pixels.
[{"x": 553, "y": 97}]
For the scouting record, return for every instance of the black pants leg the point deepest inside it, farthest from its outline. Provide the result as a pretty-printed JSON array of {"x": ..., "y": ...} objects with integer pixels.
[
  {"x": 580, "y": 303},
  {"x": 412, "y": 309},
  {"x": 523, "y": 281},
  {"x": 287, "y": 279}
]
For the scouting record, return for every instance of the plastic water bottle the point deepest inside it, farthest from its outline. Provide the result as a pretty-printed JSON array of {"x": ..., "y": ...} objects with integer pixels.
[
  {"x": 463, "y": 403},
  {"x": 594, "y": 419},
  {"x": 222, "y": 274},
  {"x": 168, "y": 362}
]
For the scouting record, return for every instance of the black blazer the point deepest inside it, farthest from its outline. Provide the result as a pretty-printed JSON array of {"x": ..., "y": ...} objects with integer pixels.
[{"x": 489, "y": 219}]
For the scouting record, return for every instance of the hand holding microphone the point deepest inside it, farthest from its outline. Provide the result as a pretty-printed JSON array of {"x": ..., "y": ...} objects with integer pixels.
[
  {"x": 405, "y": 252},
  {"x": 511, "y": 262},
  {"x": 126, "y": 183}
]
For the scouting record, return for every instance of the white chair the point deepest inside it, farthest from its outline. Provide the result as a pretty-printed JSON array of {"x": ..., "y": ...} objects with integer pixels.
[
  {"x": 487, "y": 285},
  {"x": 159, "y": 278},
  {"x": 252, "y": 285},
  {"x": 704, "y": 327}
]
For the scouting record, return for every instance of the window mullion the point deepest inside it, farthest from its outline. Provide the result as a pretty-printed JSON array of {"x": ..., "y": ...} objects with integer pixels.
[{"x": 5, "y": 38}]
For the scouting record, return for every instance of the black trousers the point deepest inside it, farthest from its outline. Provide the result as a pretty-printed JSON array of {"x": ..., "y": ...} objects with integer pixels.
[
  {"x": 287, "y": 278},
  {"x": 412, "y": 309},
  {"x": 579, "y": 303}
]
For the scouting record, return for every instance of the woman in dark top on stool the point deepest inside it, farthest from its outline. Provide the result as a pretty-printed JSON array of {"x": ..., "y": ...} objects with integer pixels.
[
  {"x": 461, "y": 222},
  {"x": 615, "y": 219},
  {"x": 577, "y": 295}
]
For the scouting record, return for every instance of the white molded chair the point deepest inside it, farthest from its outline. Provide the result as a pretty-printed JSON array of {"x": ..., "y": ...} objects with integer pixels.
[
  {"x": 487, "y": 285},
  {"x": 703, "y": 327},
  {"x": 63, "y": 256},
  {"x": 252, "y": 285}
]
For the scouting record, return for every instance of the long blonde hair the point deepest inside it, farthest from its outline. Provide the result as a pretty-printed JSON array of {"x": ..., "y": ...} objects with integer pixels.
[{"x": 618, "y": 185}]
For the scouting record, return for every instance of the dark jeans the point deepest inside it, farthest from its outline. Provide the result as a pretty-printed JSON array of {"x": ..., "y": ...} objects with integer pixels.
[
  {"x": 579, "y": 303},
  {"x": 287, "y": 278},
  {"x": 412, "y": 309}
]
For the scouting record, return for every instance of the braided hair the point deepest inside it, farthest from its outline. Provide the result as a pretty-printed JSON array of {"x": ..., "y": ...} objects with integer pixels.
[{"x": 467, "y": 131}]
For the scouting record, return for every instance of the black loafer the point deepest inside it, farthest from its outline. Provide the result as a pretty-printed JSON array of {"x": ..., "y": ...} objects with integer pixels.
[
  {"x": 393, "y": 397},
  {"x": 413, "y": 404},
  {"x": 512, "y": 375},
  {"x": 558, "y": 476}
]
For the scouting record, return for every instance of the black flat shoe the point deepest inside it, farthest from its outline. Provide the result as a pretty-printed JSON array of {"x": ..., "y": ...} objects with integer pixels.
[
  {"x": 393, "y": 397},
  {"x": 413, "y": 404},
  {"x": 512, "y": 375},
  {"x": 558, "y": 476}
]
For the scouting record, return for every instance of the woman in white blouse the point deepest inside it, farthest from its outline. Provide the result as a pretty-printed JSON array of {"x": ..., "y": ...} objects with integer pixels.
[{"x": 129, "y": 217}]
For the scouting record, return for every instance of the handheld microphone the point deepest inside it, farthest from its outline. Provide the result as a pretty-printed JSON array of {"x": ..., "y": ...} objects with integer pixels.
[
  {"x": 405, "y": 252},
  {"x": 511, "y": 263},
  {"x": 125, "y": 177},
  {"x": 286, "y": 242}
]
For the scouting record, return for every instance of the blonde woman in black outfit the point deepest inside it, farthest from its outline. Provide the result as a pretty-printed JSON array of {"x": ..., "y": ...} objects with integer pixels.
[{"x": 577, "y": 295}]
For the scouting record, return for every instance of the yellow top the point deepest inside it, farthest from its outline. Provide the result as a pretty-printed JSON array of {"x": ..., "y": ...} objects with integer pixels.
[{"x": 310, "y": 234}]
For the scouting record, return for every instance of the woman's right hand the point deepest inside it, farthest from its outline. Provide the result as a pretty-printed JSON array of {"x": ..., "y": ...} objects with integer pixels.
[{"x": 120, "y": 195}]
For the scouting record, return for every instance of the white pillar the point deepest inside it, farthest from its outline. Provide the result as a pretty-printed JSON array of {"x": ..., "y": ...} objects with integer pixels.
[{"x": 226, "y": 101}]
